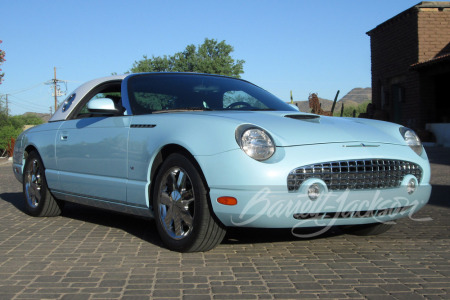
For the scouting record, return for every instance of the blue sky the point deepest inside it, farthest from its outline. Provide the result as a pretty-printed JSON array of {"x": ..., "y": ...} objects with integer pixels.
[{"x": 304, "y": 46}]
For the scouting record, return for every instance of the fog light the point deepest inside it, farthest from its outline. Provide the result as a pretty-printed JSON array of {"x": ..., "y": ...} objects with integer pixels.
[
  {"x": 411, "y": 187},
  {"x": 313, "y": 191}
]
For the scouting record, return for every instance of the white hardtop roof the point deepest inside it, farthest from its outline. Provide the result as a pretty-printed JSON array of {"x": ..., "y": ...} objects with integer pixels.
[{"x": 80, "y": 92}]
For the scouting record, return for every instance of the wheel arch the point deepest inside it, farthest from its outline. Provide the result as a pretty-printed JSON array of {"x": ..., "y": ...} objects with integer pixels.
[
  {"x": 46, "y": 205},
  {"x": 27, "y": 150},
  {"x": 215, "y": 229},
  {"x": 164, "y": 152}
]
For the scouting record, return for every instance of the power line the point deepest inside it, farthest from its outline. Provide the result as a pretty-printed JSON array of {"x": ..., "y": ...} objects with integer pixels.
[
  {"x": 25, "y": 108},
  {"x": 6, "y": 103},
  {"x": 25, "y": 102},
  {"x": 56, "y": 87},
  {"x": 57, "y": 91},
  {"x": 27, "y": 88}
]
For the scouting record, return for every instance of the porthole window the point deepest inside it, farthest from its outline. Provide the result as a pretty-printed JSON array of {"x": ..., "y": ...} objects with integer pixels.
[{"x": 68, "y": 102}]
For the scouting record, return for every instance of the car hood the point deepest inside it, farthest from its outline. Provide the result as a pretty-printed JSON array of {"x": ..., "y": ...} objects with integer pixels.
[{"x": 293, "y": 128}]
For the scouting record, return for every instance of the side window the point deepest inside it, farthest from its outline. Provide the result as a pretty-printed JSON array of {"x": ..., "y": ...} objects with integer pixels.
[
  {"x": 110, "y": 91},
  {"x": 240, "y": 99},
  {"x": 68, "y": 102},
  {"x": 154, "y": 101}
]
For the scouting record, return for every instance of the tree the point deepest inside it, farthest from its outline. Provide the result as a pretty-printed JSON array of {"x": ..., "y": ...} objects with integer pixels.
[
  {"x": 3, "y": 115},
  {"x": 210, "y": 57},
  {"x": 2, "y": 59},
  {"x": 11, "y": 127}
]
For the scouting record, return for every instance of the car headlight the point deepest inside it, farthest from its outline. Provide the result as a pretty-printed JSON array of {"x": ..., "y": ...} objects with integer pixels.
[
  {"x": 412, "y": 140},
  {"x": 255, "y": 142}
]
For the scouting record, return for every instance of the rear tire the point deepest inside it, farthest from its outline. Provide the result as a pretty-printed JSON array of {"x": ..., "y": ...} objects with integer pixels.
[
  {"x": 367, "y": 229},
  {"x": 182, "y": 210},
  {"x": 39, "y": 202}
]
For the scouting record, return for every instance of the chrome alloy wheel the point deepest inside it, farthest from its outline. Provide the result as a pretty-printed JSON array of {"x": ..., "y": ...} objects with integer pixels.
[
  {"x": 176, "y": 203},
  {"x": 33, "y": 184}
]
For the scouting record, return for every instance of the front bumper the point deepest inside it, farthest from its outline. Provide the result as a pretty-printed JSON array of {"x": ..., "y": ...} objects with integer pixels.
[
  {"x": 269, "y": 207},
  {"x": 264, "y": 199},
  {"x": 17, "y": 169}
]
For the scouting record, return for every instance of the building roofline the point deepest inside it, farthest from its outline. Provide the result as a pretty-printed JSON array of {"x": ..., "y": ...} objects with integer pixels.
[
  {"x": 413, "y": 9},
  {"x": 431, "y": 62}
]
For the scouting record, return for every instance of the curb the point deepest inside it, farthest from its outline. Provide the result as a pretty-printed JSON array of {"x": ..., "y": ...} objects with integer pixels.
[{"x": 4, "y": 161}]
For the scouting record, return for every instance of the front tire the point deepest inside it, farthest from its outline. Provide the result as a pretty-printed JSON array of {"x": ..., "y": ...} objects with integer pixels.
[
  {"x": 182, "y": 209},
  {"x": 39, "y": 202}
]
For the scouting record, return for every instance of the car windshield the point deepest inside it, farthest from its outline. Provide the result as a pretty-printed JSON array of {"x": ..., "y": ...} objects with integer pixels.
[{"x": 168, "y": 92}]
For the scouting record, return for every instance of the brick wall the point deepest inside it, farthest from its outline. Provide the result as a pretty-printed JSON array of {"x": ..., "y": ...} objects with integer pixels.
[
  {"x": 416, "y": 35},
  {"x": 394, "y": 48},
  {"x": 434, "y": 32},
  {"x": 434, "y": 40}
]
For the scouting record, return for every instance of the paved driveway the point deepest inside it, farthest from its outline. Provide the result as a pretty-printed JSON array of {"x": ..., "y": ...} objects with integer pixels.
[{"x": 92, "y": 254}]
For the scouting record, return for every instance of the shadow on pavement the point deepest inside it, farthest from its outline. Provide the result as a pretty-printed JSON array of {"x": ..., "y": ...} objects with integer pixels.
[
  {"x": 440, "y": 195},
  {"x": 16, "y": 199},
  {"x": 142, "y": 228},
  {"x": 146, "y": 229},
  {"x": 438, "y": 155},
  {"x": 269, "y": 235}
]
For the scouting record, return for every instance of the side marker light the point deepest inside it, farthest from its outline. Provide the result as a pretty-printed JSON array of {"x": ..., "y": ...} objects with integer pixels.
[{"x": 227, "y": 200}]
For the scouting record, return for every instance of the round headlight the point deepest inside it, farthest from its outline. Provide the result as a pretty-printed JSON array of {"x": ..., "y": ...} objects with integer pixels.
[
  {"x": 255, "y": 142},
  {"x": 412, "y": 140}
]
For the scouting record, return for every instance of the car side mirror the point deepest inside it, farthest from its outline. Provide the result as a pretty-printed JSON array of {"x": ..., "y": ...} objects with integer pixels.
[{"x": 102, "y": 105}]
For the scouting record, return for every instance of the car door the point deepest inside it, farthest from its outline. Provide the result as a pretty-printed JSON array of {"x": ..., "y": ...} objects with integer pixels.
[{"x": 91, "y": 154}]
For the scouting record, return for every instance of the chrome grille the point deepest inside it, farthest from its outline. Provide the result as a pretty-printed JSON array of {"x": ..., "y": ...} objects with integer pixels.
[{"x": 356, "y": 174}]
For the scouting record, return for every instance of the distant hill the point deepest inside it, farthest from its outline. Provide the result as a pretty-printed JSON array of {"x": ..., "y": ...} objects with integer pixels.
[
  {"x": 44, "y": 117},
  {"x": 358, "y": 96},
  {"x": 353, "y": 98}
]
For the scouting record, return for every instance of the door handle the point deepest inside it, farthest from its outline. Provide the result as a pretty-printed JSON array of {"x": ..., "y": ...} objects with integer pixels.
[{"x": 63, "y": 137}]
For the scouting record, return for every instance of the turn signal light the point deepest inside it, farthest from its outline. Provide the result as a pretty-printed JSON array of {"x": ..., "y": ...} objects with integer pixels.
[{"x": 227, "y": 200}]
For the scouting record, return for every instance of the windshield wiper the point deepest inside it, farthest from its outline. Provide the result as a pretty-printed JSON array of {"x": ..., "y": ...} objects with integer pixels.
[{"x": 181, "y": 109}]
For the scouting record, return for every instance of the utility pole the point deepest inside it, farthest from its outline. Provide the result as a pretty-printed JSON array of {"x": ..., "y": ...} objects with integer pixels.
[
  {"x": 56, "y": 91},
  {"x": 54, "y": 85}
]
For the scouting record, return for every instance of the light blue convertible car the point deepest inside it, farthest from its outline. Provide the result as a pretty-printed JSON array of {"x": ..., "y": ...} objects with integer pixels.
[{"x": 200, "y": 153}]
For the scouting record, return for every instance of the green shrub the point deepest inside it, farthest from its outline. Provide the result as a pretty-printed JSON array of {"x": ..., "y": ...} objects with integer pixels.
[
  {"x": 12, "y": 126},
  {"x": 348, "y": 110},
  {"x": 6, "y": 133}
]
